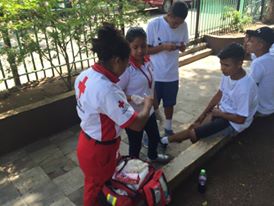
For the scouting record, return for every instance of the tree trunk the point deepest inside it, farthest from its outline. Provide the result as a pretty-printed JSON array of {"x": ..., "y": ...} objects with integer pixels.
[
  {"x": 269, "y": 17},
  {"x": 11, "y": 58}
]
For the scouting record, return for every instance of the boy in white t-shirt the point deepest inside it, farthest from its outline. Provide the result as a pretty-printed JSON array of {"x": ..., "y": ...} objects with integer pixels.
[
  {"x": 166, "y": 36},
  {"x": 232, "y": 108},
  {"x": 262, "y": 67}
]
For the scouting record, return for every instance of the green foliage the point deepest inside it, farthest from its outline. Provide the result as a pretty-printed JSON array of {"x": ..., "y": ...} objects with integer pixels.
[
  {"x": 237, "y": 20},
  {"x": 49, "y": 27}
]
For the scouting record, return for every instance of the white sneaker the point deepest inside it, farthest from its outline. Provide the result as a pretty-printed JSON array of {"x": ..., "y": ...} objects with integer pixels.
[{"x": 161, "y": 158}]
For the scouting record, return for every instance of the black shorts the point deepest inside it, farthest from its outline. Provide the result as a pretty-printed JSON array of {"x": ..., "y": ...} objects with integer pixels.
[
  {"x": 215, "y": 126},
  {"x": 167, "y": 91}
]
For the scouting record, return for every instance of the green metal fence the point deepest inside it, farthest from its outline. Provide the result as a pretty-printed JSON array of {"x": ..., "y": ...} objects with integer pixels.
[
  {"x": 205, "y": 17},
  {"x": 35, "y": 67},
  {"x": 254, "y": 8}
]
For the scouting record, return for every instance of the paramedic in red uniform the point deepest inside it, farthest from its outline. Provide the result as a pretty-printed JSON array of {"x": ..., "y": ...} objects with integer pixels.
[{"x": 104, "y": 111}]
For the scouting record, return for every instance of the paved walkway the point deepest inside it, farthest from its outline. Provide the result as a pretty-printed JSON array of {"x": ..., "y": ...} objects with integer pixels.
[{"x": 47, "y": 172}]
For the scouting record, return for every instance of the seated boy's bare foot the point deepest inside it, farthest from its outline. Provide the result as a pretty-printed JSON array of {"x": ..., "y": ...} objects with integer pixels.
[
  {"x": 194, "y": 139},
  {"x": 180, "y": 136},
  {"x": 192, "y": 136}
]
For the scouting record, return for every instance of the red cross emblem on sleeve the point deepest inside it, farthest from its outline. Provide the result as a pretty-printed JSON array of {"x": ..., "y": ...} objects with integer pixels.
[
  {"x": 82, "y": 86},
  {"x": 121, "y": 104}
]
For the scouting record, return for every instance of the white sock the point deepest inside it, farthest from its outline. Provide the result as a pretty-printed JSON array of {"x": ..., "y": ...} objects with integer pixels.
[{"x": 168, "y": 124}]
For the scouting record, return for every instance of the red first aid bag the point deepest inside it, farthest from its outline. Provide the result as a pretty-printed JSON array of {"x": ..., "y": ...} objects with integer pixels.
[{"x": 151, "y": 191}]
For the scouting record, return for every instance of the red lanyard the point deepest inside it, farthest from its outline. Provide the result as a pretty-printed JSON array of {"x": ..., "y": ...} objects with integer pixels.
[{"x": 149, "y": 80}]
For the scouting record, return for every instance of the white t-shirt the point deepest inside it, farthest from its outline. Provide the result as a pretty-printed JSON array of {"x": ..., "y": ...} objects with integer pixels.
[
  {"x": 262, "y": 71},
  {"x": 239, "y": 97},
  {"x": 101, "y": 104},
  {"x": 165, "y": 63},
  {"x": 137, "y": 80}
]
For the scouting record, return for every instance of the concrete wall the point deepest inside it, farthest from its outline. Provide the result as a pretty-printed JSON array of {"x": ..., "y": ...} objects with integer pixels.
[
  {"x": 217, "y": 43},
  {"x": 32, "y": 122}
]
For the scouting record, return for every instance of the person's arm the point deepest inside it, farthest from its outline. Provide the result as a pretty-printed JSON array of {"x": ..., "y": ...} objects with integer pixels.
[
  {"x": 228, "y": 116},
  {"x": 160, "y": 48},
  {"x": 142, "y": 117},
  {"x": 213, "y": 102}
]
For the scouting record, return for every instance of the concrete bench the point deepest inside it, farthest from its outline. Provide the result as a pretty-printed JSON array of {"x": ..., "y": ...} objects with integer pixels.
[{"x": 194, "y": 156}]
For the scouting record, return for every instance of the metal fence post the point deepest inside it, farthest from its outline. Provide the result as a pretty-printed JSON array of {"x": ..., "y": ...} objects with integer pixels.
[
  {"x": 238, "y": 5},
  {"x": 262, "y": 9},
  {"x": 197, "y": 19}
]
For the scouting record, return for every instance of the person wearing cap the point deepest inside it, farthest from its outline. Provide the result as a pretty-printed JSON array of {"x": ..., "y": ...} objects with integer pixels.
[{"x": 262, "y": 70}]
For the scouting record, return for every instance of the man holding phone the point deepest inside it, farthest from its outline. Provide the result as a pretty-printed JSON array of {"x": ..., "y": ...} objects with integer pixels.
[{"x": 166, "y": 36}]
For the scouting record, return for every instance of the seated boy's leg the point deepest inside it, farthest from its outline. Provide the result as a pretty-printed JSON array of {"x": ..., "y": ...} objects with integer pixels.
[
  {"x": 181, "y": 136},
  {"x": 207, "y": 120},
  {"x": 194, "y": 134},
  {"x": 211, "y": 128}
]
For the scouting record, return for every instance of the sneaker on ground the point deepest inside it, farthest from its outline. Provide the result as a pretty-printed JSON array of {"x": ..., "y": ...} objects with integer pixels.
[
  {"x": 161, "y": 158},
  {"x": 169, "y": 132},
  {"x": 145, "y": 140}
]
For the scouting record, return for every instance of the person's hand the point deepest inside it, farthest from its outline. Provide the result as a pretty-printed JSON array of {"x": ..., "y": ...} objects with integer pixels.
[
  {"x": 216, "y": 112},
  {"x": 148, "y": 102},
  {"x": 169, "y": 46},
  {"x": 182, "y": 47},
  {"x": 137, "y": 99}
]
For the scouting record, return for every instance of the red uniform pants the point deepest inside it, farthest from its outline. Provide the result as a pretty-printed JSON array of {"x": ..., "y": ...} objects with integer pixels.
[{"x": 98, "y": 163}]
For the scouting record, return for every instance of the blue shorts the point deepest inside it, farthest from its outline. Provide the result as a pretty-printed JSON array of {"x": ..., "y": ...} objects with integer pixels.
[{"x": 167, "y": 91}]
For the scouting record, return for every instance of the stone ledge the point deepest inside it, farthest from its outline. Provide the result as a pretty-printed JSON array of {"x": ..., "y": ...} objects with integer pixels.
[
  {"x": 29, "y": 123},
  {"x": 189, "y": 58},
  {"x": 35, "y": 105},
  {"x": 191, "y": 158}
]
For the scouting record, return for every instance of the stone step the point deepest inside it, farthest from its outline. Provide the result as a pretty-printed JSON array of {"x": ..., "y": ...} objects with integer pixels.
[
  {"x": 189, "y": 58},
  {"x": 194, "y": 48}
]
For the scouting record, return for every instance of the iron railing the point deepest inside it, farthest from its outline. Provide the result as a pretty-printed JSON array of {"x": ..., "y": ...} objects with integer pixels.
[{"x": 205, "y": 17}]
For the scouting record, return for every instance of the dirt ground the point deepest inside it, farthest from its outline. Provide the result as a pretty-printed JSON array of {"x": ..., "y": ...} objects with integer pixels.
[{"x": 30, "y": 93}]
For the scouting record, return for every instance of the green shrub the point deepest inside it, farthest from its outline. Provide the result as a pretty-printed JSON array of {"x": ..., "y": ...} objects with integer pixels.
[{"x": 237, "y": 21}]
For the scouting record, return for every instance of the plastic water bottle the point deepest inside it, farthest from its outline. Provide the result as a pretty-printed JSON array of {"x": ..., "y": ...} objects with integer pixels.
[{"x": 202, "y": 181}]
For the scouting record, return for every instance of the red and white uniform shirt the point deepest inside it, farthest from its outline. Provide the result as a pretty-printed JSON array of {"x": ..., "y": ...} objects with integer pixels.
[
  {"x": 101, "y": 104},
  {"x": 137, "y": 80}
]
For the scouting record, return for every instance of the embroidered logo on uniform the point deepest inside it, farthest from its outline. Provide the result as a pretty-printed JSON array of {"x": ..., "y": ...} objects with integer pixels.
[
  {"x": 121, "y": 104},
  {"x": 82, "y": 86}
]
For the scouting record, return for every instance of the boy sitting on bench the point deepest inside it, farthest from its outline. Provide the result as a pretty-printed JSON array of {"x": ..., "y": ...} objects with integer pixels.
[{"x": 232, "y": 108}]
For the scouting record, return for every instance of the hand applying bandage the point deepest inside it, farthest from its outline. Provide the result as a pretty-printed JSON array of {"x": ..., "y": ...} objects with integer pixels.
[{"x": 137, "y": 99}]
